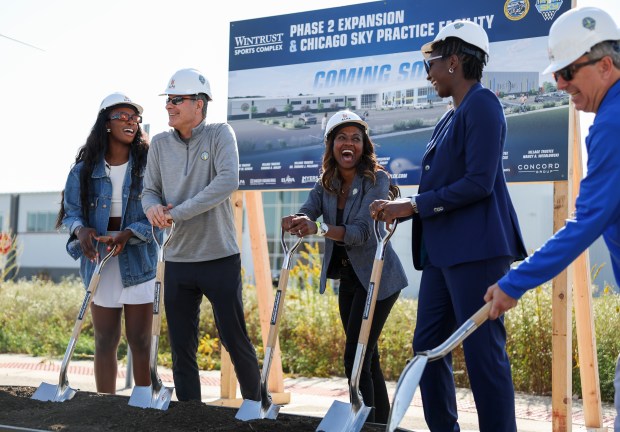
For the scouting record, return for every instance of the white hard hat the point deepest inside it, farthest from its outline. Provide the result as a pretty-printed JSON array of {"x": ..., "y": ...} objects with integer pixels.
[
  {"x": 118, "y": 99},
  {"x": 575, "y": 32},
  {"x": 467, "y": 31},
  {"x": 188, "y": 82},
  {"x": 342, "y": 117}
]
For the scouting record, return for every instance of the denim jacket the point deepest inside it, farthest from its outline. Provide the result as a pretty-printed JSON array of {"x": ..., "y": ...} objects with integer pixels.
[{"x": 138, "y": 260}]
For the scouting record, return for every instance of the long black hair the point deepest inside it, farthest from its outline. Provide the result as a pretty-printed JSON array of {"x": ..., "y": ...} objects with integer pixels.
[{"x": 94, "y": 150}]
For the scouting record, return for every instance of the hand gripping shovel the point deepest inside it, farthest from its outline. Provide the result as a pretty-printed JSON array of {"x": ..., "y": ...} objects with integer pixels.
[
  {"x": 157, "y": 395},
  {"x": 62, "y": 392},
  {"x": 345, "y": 417},
  {"x": 265, "y": 409},
  {"x": 411, "y": 375}
]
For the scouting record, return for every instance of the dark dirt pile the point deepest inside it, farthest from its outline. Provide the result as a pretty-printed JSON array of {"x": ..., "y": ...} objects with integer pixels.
[{"x": 93, "y": 412}]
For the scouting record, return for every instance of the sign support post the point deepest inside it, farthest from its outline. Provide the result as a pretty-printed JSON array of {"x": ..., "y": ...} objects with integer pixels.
[{"x": 262, "y": 276}]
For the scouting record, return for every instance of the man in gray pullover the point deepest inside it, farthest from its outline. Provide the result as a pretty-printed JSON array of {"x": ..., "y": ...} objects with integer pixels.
[{"x": 190, "y": 174}]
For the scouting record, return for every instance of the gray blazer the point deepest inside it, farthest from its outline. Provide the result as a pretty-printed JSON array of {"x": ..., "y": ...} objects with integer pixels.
[{"x": 359, "y": 240}]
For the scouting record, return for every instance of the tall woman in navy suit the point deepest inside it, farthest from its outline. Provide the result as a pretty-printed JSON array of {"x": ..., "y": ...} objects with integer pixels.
[
  {"x": 350, "y": 180},
  {"x": 465, "y": 232}
]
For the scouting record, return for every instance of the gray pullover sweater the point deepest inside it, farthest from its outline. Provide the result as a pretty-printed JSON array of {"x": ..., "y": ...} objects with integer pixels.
[{"x": 197, "y": 179}]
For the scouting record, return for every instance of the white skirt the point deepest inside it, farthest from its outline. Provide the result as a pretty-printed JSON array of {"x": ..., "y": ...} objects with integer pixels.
[{"x": 111, "y": 294}]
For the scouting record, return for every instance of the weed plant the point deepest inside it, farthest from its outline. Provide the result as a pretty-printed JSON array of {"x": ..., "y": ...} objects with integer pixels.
[{"x": 37, "y": 318}]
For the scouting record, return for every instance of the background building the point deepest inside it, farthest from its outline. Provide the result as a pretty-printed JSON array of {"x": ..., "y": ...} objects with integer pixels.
[{"x": 32, "y": 216}]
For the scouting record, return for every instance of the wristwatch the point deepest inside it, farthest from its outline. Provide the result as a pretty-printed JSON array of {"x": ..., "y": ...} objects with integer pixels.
[
  {"x": 413, "y": 204},
  {"x": 321, "y": 228}
]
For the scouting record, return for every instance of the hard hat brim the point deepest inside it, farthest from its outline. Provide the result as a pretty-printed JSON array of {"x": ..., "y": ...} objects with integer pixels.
[
  {"x": 361, "y": 123},
  {"x": 209, "y": 98},
  {"x": 556, "y": 66},
  {"x": 427, "y": 48},
  {"x": 137, "y": 107}
]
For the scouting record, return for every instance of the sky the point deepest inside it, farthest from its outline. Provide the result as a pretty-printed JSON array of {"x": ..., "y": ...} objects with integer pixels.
[{"x": 60, "y": 58}]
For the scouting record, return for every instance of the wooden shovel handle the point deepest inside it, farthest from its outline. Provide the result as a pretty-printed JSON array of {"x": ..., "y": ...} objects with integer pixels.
[
  {"x": 158, "y": 300},
  {"x": 371, "y": 300},
  {"x": 482, "y": 315},
  {"x": 277, "y": 311}
]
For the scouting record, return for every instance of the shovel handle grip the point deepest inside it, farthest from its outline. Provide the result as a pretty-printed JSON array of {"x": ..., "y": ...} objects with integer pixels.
[
  {"x": 168, "y": 238},
  {"x": 288, "y": 252},
  {"x": 482, "y": 315}
]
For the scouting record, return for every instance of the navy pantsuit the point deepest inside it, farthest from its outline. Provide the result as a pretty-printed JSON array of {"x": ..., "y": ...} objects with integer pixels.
[{"x": 465, "y": 237}]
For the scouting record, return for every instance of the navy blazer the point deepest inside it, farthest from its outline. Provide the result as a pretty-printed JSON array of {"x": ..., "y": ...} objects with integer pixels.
[
  {"x": 359, "y": 240},
  {"x": 465, "y": 210}
]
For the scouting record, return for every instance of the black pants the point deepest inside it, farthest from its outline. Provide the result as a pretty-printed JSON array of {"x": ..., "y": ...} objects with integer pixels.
[
  {"x": 351, "y": 300},
  {"x": 220, "y": 281}
]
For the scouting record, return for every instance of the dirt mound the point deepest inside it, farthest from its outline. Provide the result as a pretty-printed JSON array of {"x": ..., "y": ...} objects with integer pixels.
[{"x": 94, "y": 412}]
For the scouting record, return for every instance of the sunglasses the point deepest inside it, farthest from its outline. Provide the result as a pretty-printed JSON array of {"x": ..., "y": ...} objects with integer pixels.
[
  {"x": 178, "y": 100},
  {"x": 427, "y": 62},
  {"x": 568, "y": 73},
  {"x": 123, "y": 116}
]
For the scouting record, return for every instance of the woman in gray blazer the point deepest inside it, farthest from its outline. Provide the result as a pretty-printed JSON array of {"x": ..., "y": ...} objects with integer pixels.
[{"x": 351, "y": 179}]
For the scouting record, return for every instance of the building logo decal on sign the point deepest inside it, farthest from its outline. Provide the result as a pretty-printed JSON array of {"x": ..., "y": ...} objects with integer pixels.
[
  {"x": 516, "y": 9},
  {"x": 548, "y": 8}
]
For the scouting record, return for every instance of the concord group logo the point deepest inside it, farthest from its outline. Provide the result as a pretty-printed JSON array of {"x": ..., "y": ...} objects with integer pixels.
[{"x": 258, "y": 44}]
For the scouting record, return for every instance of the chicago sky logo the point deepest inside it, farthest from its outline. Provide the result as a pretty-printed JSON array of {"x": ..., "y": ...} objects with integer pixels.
[{"x": 548, "y": 8}]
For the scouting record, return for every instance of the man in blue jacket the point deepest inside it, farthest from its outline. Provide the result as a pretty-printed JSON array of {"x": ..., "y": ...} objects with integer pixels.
[{"x": 584, "y": 50}]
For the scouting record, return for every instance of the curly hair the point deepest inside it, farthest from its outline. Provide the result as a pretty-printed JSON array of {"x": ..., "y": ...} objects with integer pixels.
[
  {"x": 367, "y": 166},
  {"x": 95, "y": 149},
  {"x": 472, "y": 57}
]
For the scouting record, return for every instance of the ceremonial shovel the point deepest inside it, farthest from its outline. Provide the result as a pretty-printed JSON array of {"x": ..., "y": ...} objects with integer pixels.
[
  {"x": 62, "y": 392},
  {"x": 350, "y": 417},
  {"x": 249, "y": 409},
  {"x": 156, "y": 395},
  {"x": 411, "y": 375}
]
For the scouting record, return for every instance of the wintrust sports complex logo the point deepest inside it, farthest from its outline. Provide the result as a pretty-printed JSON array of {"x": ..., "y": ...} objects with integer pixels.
[{"x": 258, "y": 44}]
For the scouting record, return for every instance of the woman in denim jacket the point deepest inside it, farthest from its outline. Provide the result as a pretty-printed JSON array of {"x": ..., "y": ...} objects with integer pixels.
[
  {"x": 352, "y": 179},
  {"x": 102, "y": 208}
]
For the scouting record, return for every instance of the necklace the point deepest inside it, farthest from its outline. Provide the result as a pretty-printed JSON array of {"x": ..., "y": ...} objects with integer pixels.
[{"x": 344, "y": 191}]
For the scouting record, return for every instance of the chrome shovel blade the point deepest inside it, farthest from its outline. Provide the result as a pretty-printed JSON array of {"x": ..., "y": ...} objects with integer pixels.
[
  {"x": 146, "y": 397},
  {"x": 161, "y": 400},
  {"x": 344, "y": 417},
  {"x": 405, "y": 389},
  {"x": 254, "y": 410},
  {"x": 53, "y": 393},
  {"x": 249, "y": 410}
]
